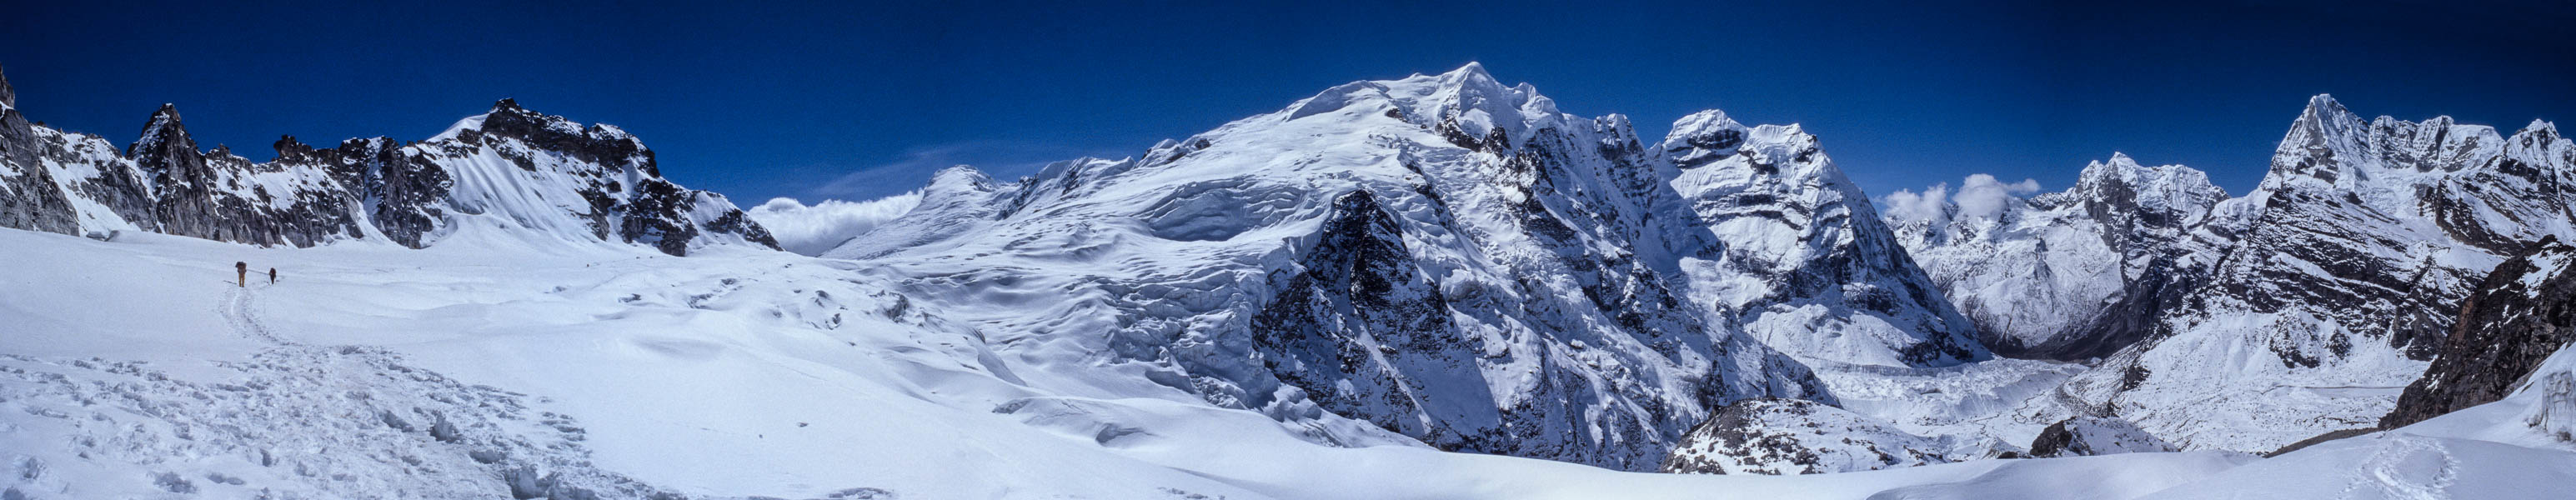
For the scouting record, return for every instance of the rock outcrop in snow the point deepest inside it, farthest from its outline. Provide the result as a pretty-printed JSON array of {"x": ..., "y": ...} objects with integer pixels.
[
  {"x": 530, "y": 175},
  {"x": 1788, "y": 437},
  {"x": 1445, "y": 257},
  {"x": 2524, "y": 311},
  {"x": 2095, "y": 435}
]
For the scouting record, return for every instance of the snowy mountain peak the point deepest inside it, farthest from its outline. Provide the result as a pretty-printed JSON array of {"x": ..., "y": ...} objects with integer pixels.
[
  {"x": 1473, "y": 107},
  {"x": 2166, "y": 189},
  {"x": 2324, "y": 106},
  {"x": 2329, "y": 146},
  {"x": 1703, "y": 137},
  {"x": 1467, "y": 106},
  {"x": 2539, "y": 129},
  {"x": 8, "y": 95},
  {"x": 957, "y": 178},
  {"x": 2120, "y": 159},
  {"x": 1471, "y": 69}
]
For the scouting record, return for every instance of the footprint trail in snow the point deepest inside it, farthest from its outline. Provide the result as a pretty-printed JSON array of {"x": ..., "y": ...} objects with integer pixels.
[{"x": 293, "y": 421}]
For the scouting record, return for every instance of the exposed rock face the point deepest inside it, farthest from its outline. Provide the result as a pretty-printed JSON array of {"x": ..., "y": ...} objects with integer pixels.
[
  {"x": 540, "y": 176},
  {"x": 408, "y": 190},
  {"x": 2095, "y": 435},
  {"x": 28, "y": 196},
  {"x": 222, "y": 196},
  {"x": 1361, "y": 322},
  {"x": 1439, "y": 257},
  {"x": 2523, "y": 312},
  {"x": 1787, "y": 436}
]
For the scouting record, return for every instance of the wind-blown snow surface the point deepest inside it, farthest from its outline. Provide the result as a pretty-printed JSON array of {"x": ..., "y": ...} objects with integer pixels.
[{"x": 372, "y": 371}]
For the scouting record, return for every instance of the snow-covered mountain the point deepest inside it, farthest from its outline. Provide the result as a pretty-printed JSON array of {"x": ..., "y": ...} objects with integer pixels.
[
  {"x": 2252, "y": 322},
  {"x": 1445, "y": 257},
  {"x": 2306, "y": 304},
  {"x": 2065, "y": 275},
  {"x": 509, "y": 174}
]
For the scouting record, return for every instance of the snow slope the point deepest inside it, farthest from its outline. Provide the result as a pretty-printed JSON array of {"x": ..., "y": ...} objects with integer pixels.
[{"x": 452, "y": 372}]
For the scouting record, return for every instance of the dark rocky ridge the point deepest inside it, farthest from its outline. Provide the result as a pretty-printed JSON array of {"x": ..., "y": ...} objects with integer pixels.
[
  {"x": 195, "y": 194},
  {"x": 362, "y": 188},
  {"x": 2522, "y": 312}
]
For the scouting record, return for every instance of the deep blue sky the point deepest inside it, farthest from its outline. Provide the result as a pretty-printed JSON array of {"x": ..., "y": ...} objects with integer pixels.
[{"x": 852, "y": 100}]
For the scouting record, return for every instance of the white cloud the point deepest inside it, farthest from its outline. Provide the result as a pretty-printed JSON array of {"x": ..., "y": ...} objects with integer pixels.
[
  {"x": 1908, "y": 206},
  {"x": 812, "y": 230},
  {"x": 1984, "y": 197},
  {"x": 1979, "y": 196}
]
